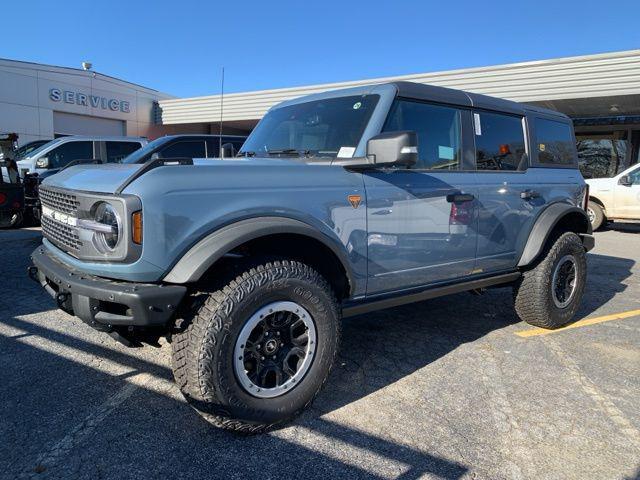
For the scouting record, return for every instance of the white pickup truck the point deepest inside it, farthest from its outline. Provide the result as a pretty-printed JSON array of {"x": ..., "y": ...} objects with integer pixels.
[{"x": 616, "y": 198}]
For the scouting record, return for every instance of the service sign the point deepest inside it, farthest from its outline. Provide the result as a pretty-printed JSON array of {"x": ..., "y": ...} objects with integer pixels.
[{"x": 85, "y": 100}]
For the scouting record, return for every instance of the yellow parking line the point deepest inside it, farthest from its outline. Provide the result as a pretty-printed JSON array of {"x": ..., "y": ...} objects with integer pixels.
[{"x": 580, "y": 323}]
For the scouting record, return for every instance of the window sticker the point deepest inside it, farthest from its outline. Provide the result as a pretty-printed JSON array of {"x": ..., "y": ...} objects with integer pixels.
[
  {"x": 346, "y": 152},
  {"x": 446, "y": 153},
  {"x": 542, "y": 147},
  {"x": 476, "y": 123},
  {"x": 357, "y": 105}
]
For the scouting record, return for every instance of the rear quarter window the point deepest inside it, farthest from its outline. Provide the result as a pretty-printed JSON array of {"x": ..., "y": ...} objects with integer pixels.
[{"x": 554, "y": 143}]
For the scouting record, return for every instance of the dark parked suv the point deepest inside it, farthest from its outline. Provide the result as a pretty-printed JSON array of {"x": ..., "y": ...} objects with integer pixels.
[
  {"x": 186, "y": 146},
  {"x": 340, "y": 204}
]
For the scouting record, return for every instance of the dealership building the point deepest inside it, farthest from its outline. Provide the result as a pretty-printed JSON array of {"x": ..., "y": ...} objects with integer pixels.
[
  {"x": 601, "y": 93},
  {"x": 43, "y": 102}
]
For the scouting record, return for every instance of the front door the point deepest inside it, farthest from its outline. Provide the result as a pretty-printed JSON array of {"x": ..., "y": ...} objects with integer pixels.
[
  {"x": 421, "y": 221},
  {"x": 627, "y": 197}
]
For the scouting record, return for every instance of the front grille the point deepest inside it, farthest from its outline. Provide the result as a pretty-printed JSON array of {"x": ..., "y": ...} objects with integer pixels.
[
  {"x": 60, "y": 201},
  {"x": 60, "y": 234}
]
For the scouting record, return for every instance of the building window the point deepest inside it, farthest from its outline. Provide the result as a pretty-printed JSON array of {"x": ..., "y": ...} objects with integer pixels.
[
  {"x": 499, "y": 142},
  {"x": 438, "y": 130},
  {"x": 554, "y": 142}
]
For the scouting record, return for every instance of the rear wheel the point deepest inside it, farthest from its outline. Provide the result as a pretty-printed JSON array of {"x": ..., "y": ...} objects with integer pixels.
[
  {"x": 596, "y": 215},
  {"x": 548, "y": 295},
  {"x": 256, "y": 352}
]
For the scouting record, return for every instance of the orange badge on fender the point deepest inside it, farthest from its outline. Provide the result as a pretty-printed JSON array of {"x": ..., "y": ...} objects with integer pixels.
[{"x": 354, "y": 200}]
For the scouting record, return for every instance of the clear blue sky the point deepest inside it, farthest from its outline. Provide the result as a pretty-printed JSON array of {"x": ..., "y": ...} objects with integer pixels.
[{"x": 179, "y": 47}]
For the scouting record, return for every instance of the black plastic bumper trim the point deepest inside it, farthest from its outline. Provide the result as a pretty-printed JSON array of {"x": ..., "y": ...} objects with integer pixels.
[{"x": 146, "y": 304}]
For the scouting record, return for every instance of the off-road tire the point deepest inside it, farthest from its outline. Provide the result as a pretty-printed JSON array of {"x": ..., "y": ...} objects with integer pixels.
[
  {"x": 533, "y": 295},
  {"x": 204, "y": 340},
  {"x": 598, "y": 215}
]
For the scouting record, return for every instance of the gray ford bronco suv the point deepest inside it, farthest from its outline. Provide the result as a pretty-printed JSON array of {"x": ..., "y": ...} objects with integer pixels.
[{"x": 338, "y": 204}]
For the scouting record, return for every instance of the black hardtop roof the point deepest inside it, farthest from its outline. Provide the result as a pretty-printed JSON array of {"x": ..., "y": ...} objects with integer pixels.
[{"x": 432, "y": 93}]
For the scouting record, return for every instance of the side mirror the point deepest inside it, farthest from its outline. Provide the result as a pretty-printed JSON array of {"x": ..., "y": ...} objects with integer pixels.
[
  {"x": 625, "y": 180},
  {"x": 393, "y": 149},
  {"x": 227, "y": 150},
  {"x": 42, "y": 162}
]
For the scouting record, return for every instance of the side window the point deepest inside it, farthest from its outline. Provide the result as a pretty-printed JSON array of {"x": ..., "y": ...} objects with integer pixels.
[
  {"x": 438, "y": 129},
  {"x": 213, "y": 148},
  {"x": 185, "y": 149},
  {"x": 117, "y": 151},
  {"x": 68, "y": 152},
  {"x": 635, "y": 176},
  {"x": 554, "y": 143},
  {"x": 499, "y": 142}
]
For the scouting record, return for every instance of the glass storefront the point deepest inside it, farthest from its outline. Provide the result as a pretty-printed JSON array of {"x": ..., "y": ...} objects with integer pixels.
[
  {"x": 603, "y": 154},
  {"x": 607, "y": 145}
]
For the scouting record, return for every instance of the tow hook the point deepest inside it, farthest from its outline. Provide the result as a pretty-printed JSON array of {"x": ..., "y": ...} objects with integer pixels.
[
  {"x": 32, "y": 271},
  {"x": 61, "y": 299}
]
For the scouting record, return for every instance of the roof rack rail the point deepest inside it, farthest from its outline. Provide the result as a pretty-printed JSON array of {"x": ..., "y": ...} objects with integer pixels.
[{"x": 150, "y": 165}]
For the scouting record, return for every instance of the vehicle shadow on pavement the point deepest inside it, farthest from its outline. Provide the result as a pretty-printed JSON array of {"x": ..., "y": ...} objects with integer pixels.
[
  {"x": 606, "y": 276},
  {"x": 66, "y": 413}
]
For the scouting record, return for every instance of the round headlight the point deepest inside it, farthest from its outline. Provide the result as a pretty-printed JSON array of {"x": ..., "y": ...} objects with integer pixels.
[{"x": 108, "y": 216}]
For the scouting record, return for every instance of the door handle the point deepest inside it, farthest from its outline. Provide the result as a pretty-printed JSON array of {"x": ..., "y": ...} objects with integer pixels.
[
  {"x": 529, "y": 194},
  {"x": 460, "y": 197}
]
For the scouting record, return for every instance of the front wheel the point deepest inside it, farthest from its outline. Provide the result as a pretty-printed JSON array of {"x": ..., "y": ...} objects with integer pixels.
[
  {"x": 548, "y": 295},
  {"x": 256, "y": 352}
]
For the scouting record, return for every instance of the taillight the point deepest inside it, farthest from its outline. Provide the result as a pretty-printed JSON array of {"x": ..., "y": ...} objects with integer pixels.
[
  {"x": 3, "y": 198},
  {"x": 136, "y": 227}
]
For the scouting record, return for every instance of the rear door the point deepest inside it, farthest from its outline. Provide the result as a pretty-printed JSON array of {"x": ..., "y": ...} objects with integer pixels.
[
  {"x": 421, "y": 221},
  {"x": 509, "y": 198}
]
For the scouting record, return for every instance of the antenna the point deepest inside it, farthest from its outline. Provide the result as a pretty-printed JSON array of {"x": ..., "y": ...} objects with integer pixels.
[{"x": 221, "y": 109}]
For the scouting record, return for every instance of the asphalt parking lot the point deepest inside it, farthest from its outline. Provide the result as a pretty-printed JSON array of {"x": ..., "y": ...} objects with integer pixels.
[{"x": 451, "y": 388}]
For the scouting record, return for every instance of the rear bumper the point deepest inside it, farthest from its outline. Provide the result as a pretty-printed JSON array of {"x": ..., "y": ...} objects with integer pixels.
[{"x": 103, "y": 303}]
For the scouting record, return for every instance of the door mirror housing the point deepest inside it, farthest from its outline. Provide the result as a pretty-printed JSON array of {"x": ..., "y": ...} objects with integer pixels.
[
  {"x": 388, "y": 149},
  {"x": 42, "y": 162},
  {"x": 625, "y": 180},
  {"x": 227, "y": 150}
]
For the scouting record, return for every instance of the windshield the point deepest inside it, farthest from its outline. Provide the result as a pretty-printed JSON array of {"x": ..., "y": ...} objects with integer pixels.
[
  {"x": 36, "y": 151},
  {"x": 147, "y": 150},
  {"x": 319, "y": 128},
  {"x": 25, "y": 150}
]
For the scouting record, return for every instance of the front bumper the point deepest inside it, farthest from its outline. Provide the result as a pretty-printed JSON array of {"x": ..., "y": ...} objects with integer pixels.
[{"x": 102, "y": 303}]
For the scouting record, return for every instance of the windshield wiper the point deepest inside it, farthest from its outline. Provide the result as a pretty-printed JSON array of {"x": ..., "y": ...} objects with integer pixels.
[{"x": 289, "y": 151}]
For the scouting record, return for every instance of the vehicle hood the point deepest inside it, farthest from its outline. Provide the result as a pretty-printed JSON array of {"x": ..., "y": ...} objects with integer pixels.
[
  {"x": 107, "y": 178},
  {"x": 104, "y": 178},
  {"x": 597, "y": 184}
]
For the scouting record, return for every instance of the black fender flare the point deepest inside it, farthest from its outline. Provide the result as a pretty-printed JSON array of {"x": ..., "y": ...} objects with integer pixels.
[
  {"x": 197, "y": 260},
  {"x": 544, "y": 225}
]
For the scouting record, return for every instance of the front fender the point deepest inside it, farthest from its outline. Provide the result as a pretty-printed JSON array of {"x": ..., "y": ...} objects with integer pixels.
[
  {"x": 197, "y": 260},
  {"x": 544, "y": 225}
]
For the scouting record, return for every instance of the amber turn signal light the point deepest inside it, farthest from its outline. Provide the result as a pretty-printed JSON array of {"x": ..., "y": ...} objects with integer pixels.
[{"x": 136, "y": 231}]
